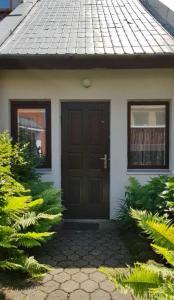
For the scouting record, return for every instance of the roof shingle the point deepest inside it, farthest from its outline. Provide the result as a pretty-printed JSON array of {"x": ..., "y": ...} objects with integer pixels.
[{"x": 84, "y": 27}]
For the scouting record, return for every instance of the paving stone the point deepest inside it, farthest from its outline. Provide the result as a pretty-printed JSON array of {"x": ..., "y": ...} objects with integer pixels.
[
  {"x": 69, "y": 286},
  {"x": 89, "y": 257},
  {"x": 118, "y": 296},
  {"x": 58, "y": 295},
  {"x": 99, "y": 294},
  {"x": 65, "y": 264},
  {"x": 71, "y": 270},
  {"x": 68, "y": 252},
  {"x": 46, "y": 278},
  {"x": 60, "y": 258},
  {"x": 14, "y": 295},
  {"x": 81, "y": 263},
  {"x": 49, "y": 286},
  {"x": 107, "y": 285},
  {"x": 74, "y": 257},
  {"x": 89, "y": 270},
  {"x": 112, "y": 263},
  {"x": 36, "y": 295},
  {"x": 89, "y": 286},
  {"x": 61, "y": 277},
  {"x": 97, "y": 276},
  {"x": 56, "y": 271},
  {"x": 79, "y": 295},
  {"x": 79, "y": 277},
  {"x": 96, "y": 252},
  {"x": 96, "y": 263}
]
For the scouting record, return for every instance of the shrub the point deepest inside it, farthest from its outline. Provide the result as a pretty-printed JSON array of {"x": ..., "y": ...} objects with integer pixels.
[
  {"x": 144, "y": 197},
  {"x": 25, "y": 215},
  {"x": 168, "y": 196},
  {"x": 150, "y": 280}
]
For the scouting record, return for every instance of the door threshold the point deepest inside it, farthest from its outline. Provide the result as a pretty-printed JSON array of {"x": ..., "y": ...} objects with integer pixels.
[
  {"x": 87, "y": 220},
  {"x": 87, "y": 224}
]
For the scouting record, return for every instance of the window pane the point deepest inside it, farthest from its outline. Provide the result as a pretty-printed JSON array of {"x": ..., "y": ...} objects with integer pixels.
[
  {"x": 32, "y": 128},
  {"x": 147, "y": 136},
  {"x": 140, "y": 118},
  {"x": 160, "y": 118},
  {"x": 4, "y": 4}
]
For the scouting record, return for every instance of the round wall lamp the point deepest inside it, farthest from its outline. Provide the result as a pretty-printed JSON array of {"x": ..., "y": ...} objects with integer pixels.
[{"x": 86, "y": 83}]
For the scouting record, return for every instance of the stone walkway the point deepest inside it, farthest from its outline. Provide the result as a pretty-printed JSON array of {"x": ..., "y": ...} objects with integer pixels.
[{"x": 76, "y": 257}]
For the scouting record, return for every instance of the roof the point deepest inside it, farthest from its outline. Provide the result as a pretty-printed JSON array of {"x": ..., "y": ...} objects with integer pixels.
[
  {"x": 88, "y": 27},
  {"x": 3, "y": 14},
  {"x": 163, "y": 11}
]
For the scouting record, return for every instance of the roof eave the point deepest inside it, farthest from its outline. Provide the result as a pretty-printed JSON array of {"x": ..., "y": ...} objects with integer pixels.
[{"x": 126, "y": 61}]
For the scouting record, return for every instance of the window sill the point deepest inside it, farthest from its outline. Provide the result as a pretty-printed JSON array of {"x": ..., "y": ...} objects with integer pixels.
[
  {"x": 149, "y": 172},
  {"x": 44, "y": 170}
]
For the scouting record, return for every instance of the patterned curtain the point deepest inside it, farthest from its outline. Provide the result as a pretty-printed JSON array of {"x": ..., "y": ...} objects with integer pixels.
[{"x": 147, "y": 146}]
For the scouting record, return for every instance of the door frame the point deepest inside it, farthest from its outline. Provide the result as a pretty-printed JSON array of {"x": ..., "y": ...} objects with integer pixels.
[{"x": 108, "y": 101}]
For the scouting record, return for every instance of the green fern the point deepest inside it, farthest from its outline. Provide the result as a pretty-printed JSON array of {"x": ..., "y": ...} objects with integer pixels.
[
  {"x": 25, "y": 218},
  {"x": 158, "y": 228},
  {"x": 151, "y": 280},
  {"x": 167, "y": 254},
  {"x": 31, "y": 239}
]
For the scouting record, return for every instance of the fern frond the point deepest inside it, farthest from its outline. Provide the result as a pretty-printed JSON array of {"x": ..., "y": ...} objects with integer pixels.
[
  {"x": 34, "y": 268},
  {"x": 31, "y": 239},
  {"x": 138, "y": 280},
  {"x": 6, "y": 230},
  {"x": 16, "y": 205},
  {"x": 35, "y": 203},
  {"x": 9, "y": 265},
  {"x": 28, "y": 219},
  {"x": 164, "y": 292},
  {"x": 159, "y": 269},
  {"x": 167, "y": 254},
  {"x": 31, "y": 218},
  {"x": 158, "y": 229}
]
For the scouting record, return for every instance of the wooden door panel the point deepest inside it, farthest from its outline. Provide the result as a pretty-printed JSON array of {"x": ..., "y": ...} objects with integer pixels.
[
  {"x": 85, "y": 140},
  {"x": 75, "y": 187},
  {"x": 75, "y": 127},
  {"x": 75, "y": 160},
  {"x": 95, "y": 190},
  {"x": 94, "y": 161},
  {"x": 95, "y": 125}
]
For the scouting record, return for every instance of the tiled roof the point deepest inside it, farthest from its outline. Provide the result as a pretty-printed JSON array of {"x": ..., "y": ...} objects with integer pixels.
[{"x": 86, "y": 27}]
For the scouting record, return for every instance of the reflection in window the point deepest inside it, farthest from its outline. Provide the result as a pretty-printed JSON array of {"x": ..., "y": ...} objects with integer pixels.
[
  {"x": 5, "y": 4},
  {"x": 31, "y": 123},
  {"x": 148, "y": 136},
  {"x": 32, "y": 128}
]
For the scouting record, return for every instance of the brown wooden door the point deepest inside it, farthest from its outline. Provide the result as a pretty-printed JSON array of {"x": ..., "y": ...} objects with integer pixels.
[{"x": 85, "y": 173}]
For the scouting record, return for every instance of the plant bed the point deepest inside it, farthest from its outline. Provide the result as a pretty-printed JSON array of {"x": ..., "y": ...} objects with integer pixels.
[{"x": 137, "y": 244}]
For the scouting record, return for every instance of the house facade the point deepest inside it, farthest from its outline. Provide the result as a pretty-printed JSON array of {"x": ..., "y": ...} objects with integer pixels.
[{"x": 91, "y": 86}]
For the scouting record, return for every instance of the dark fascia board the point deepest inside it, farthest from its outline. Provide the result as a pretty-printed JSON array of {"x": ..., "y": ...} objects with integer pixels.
[
  {"x": 86, "y": 61},
  {"x": 10, "y": 23}
]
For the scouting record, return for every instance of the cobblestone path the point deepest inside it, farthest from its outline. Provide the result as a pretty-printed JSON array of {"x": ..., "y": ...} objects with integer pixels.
[{"x": 76, "y": 257}]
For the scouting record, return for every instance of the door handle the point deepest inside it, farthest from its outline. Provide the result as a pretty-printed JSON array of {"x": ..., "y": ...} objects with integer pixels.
[{"x": 105, "y": 160}]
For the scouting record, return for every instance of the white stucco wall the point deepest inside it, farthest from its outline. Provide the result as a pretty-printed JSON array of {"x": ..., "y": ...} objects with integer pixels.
[{"x": 118, "y": 86}]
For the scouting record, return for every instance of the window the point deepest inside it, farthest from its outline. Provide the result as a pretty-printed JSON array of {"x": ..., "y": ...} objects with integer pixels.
[
  {"x": 5, "y": 4},
  {"x": 31, "y": 122},
  {"x": 148, "y": 135}
]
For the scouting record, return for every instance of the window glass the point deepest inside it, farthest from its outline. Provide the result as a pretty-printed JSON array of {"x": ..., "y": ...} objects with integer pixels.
[
  {"x": 31, "y": 123},
  {"x": 148, "y": 136},
  {"x": 4, "y": 4},
  {"x": 140, "y": 118},
  {"x": 32, "y": 128},
  {"x": 160, "y": 118}
]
